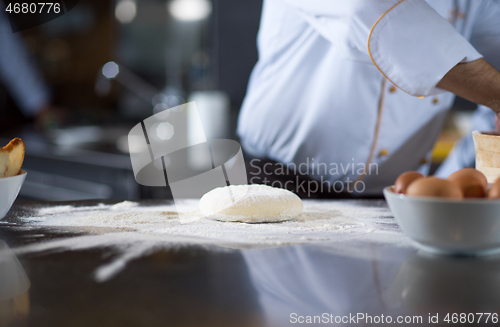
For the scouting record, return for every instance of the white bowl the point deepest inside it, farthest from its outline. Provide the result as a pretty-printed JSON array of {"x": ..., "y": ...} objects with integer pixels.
[
  {"x": 9, "y": 189},
  {"x": 445, "y": 226}
]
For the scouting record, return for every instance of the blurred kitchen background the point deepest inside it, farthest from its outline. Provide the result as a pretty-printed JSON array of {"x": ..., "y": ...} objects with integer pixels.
[{"x": 111, "y": 64}]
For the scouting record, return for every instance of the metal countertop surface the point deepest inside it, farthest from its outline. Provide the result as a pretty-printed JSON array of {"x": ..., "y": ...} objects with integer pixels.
[{"x": 196, "y": 285}]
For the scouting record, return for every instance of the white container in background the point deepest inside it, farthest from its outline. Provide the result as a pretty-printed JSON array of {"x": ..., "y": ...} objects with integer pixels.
[{"x": 213, "y": 108}]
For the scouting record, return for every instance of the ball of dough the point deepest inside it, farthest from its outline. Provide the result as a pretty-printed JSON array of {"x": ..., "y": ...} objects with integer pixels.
[{"x": 250, "y": 203}]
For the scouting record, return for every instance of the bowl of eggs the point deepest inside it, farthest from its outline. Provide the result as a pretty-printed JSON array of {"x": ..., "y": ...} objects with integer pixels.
[{"x": 459, "y": 215}]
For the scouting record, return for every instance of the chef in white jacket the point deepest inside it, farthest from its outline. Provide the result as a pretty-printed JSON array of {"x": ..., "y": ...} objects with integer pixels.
[{"x": 358, "y": 90}]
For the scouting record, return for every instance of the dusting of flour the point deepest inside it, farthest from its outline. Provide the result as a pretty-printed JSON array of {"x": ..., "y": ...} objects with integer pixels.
[
  {"x": 140, "y": 229},
  {"x": 317, "y": 218}
]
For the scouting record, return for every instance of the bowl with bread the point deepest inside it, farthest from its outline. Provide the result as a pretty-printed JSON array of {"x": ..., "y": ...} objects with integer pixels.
[{"x": 11, "y": 175}]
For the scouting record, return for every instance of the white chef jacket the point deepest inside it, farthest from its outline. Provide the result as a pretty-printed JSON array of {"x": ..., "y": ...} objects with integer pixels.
[{"x": 330, "y": 71}]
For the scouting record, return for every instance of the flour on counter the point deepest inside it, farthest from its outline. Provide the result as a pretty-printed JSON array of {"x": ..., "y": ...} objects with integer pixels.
[
  {"x": 124, "y": 205},
  {"x": 137, "y": 230},
  {"x": 317, "y": 218}
]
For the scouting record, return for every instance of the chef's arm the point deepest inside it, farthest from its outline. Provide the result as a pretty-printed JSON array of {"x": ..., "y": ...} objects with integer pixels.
[{"x": 476, "y": 81}]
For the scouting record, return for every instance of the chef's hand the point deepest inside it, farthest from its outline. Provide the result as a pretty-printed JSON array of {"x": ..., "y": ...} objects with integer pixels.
[{"x": 476, "y": 81}]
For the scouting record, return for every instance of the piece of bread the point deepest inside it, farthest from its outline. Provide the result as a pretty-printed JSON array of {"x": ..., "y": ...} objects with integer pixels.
[{"x": 11, "y": 158}]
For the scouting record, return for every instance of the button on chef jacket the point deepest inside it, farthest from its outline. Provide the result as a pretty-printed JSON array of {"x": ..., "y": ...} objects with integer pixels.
[{"x": 339, "y": 80}]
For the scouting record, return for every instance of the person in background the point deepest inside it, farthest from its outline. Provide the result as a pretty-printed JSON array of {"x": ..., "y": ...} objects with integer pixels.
[
  {"x": 21, "y": 78},
  {"x": 347, "y": 95}
]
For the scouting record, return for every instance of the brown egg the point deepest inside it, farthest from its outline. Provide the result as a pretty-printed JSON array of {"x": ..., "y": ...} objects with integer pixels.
[
  {"x": 435, "y": 187},
  {"x": 405, "y": 179},
  {"x": 472, "y": 182},
  {"x": 494, "y": 192}
]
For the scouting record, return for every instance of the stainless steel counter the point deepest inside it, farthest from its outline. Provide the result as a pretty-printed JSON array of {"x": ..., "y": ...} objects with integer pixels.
[{"x": 355, "y": 283}]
